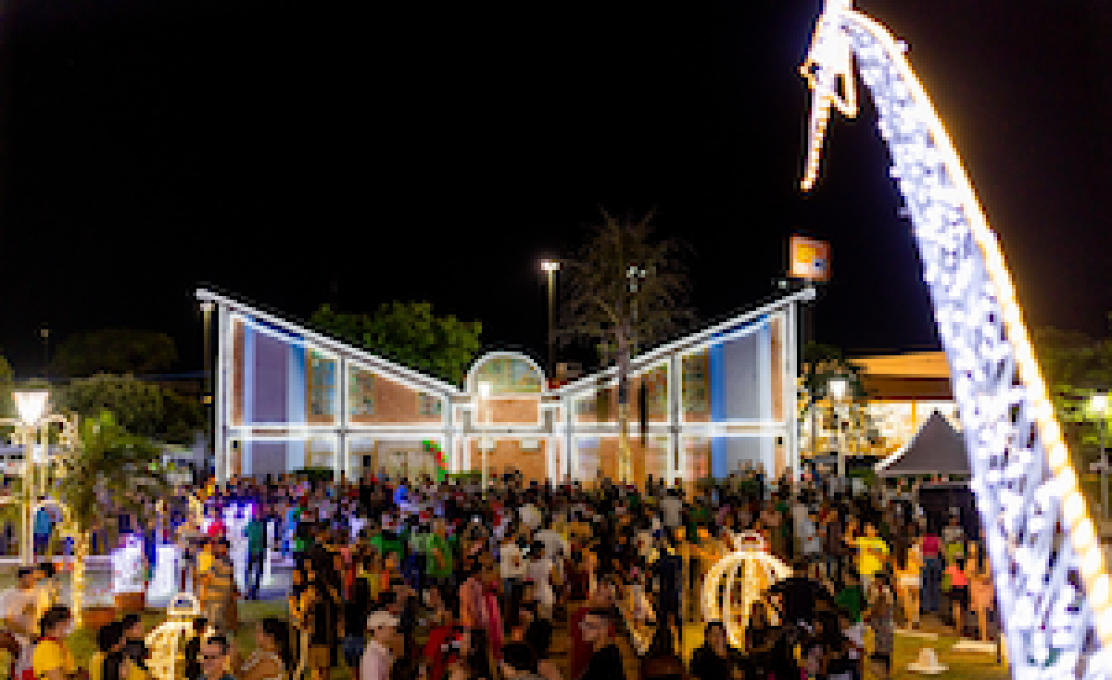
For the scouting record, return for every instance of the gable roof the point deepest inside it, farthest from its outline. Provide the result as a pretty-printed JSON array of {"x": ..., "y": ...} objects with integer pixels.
[
  {"x": 937, "y": 448},
  {"x": 326, "y": 340},
  {"x": 688, "y": 340}
]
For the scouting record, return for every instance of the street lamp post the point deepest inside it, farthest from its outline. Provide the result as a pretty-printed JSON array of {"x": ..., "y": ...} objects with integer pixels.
[
  {"x": 31, "y": 425},
  {"x": 1098, "y": 403},
  {"x": 837, "y": 388},
  {"x": 550, "y": 267}
]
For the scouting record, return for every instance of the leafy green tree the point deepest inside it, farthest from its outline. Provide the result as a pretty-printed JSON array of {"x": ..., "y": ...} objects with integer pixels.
[
  {"x": 1076, "y": 366},
  {"x": 115, "y": 350},
  {"x": 110, "y": 464},
  {"x": 410, "y": 333},
  {"x": 624, "y": 290},
  {"x": 7, "y": 376},
  {"x": 143, "y": 408}
]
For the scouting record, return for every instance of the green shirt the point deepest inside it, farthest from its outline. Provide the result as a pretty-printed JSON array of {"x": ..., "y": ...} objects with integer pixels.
[
  {"x": 438, "y": 545},
  {"x": 384, "y": 546},
  {"x": 256, "y": 536},
  {"x": 851, "y": 599}
]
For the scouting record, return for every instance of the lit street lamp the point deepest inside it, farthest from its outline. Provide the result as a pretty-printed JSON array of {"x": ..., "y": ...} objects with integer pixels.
[
  {"x": 550, "y": 267},
  {"x": 1098, "y": 404},
  {"x": 837, "y": 388},
  {"x": 32, "y": 425}
]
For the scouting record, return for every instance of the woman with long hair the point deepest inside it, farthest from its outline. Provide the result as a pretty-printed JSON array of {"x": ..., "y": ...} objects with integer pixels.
[
  {"x": 980, "y": 587},
  {"x": 272, "y": 658},
  {"x": 909, "y": 582},
  {"x": 492, "y": 582},
  {"x": 476, "y": 658}
]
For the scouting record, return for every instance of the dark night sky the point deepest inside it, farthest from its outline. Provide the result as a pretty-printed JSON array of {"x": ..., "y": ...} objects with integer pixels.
[{"x": 413, "y": 151}]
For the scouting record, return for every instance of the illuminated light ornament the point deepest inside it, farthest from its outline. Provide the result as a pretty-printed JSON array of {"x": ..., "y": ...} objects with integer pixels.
[
  {"x": 127, "y": 566},
  {"x": 167, "y": 641},
  {"x": 1052, "y": 585},
  {"x": 164, "y": 583},
  {"x": 738, "y": 580}
]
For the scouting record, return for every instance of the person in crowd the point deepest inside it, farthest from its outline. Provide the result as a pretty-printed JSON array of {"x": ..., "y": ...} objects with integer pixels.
[
  {"x": 272, "y": 658},
  {"x": 980, "y": 587},
  {"x": 51, "y": 658},
  {"x": 715, "y": 659},
  {"x": 930, "y": 544},
  {"x": 20, "y": 619},
  {"x": 959, "y": 592},
  {"x": 605, "y": 662},
  {"x": 475, "y": 659},
  {"x": 519, "y": 662},
  {"x": 255, "y": 532},
  {"x": 872, "y": 553},
  {"x": 218, "y": 588},
  {"x": 135, "y": 646},
  {"x": 110, "y": 644},
  {"x": 880, "y": 617},
  {"x": 198, "y": 632},
  {"x": 909, "y": 566},
  {"x": 216, "y": 653}
]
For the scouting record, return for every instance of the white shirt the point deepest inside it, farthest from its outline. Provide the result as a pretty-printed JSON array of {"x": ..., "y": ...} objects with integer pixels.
[
  {"x": 540, "y": 571},
  {"x": 511, "y": 564},
  {"x": 672, "y": 508},
  {"x": 376, "y": 662},
  {"x": 530, "y": 516},
  {"x": 553, "y": 541},
  {"x": 809, "y": 537}
]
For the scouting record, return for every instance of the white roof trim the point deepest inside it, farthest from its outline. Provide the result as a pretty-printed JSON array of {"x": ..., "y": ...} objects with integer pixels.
[
  {"x": 652, "y": 357},
  {"x": 341, "y": 348}
]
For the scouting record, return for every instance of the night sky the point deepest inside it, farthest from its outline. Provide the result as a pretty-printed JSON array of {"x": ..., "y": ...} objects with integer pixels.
[{"x": 298, "y": 154}]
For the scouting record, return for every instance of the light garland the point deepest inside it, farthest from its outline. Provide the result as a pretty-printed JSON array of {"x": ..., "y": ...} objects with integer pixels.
[
  {"x": 757, "y": 568},
  {"x": 1052, "y": 588},
  {"x": 167, "y": 641}
]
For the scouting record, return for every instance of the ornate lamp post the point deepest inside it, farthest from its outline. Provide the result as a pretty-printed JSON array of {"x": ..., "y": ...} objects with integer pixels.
[
  {"x": 550, "y": 267},
  {"x": 837, "y": 388},
  {"x": 33, "y": 423}
]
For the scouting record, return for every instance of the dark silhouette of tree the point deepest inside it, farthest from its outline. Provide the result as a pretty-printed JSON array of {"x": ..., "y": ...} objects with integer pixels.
[
  {"x": 115, "y": 350},
  {"x": 624, "y": 290}
]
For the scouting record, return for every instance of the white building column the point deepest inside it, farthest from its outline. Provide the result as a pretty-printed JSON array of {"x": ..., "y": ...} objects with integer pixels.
[
  {"x": 339, "y": 459},
  {"x": 221, "y": 393},
  {"x": 790, "y": 382}
]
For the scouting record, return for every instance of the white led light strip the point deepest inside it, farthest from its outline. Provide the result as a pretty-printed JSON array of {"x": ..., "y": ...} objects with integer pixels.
[{"x": 1052, "y": 585}]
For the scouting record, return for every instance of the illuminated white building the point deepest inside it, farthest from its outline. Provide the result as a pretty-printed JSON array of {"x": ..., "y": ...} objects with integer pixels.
[{"x": 289, "y": 397}]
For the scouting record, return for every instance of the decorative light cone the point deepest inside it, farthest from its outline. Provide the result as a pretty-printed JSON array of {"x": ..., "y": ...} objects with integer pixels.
[
  {"x": 31, "y": 405},
  {"x": 738, "y": 580}
]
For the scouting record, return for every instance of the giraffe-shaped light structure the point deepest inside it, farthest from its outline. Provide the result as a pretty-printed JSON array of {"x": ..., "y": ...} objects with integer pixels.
[{"x": 1050, "y": 577}]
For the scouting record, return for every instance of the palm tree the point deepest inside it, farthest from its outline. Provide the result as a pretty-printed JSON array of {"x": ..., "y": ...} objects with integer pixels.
[
  {"x": 111, "y": 460},
  {"x": 625, "y": 291}
]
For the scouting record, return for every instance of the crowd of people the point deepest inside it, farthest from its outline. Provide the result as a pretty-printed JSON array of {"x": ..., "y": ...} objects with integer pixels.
[{"x": 407, "y": 580}]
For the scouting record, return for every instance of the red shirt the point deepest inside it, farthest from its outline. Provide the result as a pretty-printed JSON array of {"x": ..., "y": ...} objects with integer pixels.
[{"x": 216, "y": 529}]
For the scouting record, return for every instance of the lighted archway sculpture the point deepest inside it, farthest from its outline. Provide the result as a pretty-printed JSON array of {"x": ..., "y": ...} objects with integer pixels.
[
  {"x": 737, "y": 580},
  {"x": 1053, "y": 588}
]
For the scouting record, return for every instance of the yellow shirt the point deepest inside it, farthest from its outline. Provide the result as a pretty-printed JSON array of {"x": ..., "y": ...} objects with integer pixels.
[
  {"x": 867, "y": 562},
  {"x": 96, "y": 666},
  {"x": 204, "y": 561},
  {"x": 51, "y": 655}
]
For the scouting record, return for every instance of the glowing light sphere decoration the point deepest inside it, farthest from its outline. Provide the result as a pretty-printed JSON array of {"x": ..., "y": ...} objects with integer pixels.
[
  {"x": 1052, "y": 584},
  {"x": 167, "y": 641},
  {"x": 738, "y": 580}
]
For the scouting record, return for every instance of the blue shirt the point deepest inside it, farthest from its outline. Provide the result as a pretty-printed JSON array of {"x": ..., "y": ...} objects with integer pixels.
[{"x": 43, "y": 522}]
